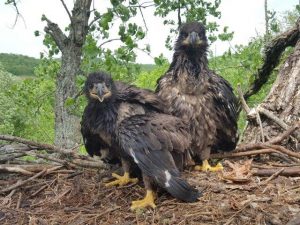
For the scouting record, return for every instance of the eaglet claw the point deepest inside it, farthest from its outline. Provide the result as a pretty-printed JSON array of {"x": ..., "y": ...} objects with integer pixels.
[
  {"x": 144, "y": 203},
  {"x": 206, "y": 167},
  {"x": 121, "y": 180}
]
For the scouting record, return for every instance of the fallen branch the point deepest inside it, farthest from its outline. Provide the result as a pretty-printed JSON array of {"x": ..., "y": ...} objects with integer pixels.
[
  {"x": 19, "y": 184},
  {"x": 36, "y": 144},
  {"x": 25, "y": 169},
  {"x": 274, "y": 175},
  {"x": 285, "y": 134},
  {"x": 289, "y": 171},
  {"x": 10, "y": 157},
  {"x": 244, "y": 153}
]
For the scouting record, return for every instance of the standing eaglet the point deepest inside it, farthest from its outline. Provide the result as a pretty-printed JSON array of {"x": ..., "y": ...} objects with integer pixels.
[
  {"x": 130, "y": 122},
  {"x": 196, "y": 94}
]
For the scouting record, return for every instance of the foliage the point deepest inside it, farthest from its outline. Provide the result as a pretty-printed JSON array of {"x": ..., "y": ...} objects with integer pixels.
[
  {"x": 191, "y": 10},
  {"x": 28, "y": 104},
  {"x": 18, "y": 65}
]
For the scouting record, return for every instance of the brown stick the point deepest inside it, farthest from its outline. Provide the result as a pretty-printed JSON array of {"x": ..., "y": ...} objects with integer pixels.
[
  {"x": 24, "y": 169},
  {"x": 272, "y": 176},
  {"x": 245, "y": 153},
  {"x": 19, "y": 184},
  {"x": 242, "y": 100},
  {"x": 284, "y": 150},
  {"x": 289, "y": 171},
  {"x": 285, "y": 134},
  {"x": 272, "y": 116},
  {"x": 14, "y": 169},
  {"x": 74, "y": 163},
  {"x": 36, "y": 144},
  {"x": 13, "y": 156}
]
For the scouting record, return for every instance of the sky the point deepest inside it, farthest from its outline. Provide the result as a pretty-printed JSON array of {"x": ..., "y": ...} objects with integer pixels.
[{"x": 244, "y": 17}]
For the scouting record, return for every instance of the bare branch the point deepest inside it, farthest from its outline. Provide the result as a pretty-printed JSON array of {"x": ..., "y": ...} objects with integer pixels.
[
  {"x": 179, "y": 14},
  {"x": 110, "y": 40},
  {"x": 145, "y": 24},
  {"x": 56, "y": 33},
  {"x": 67, "y": 10}
]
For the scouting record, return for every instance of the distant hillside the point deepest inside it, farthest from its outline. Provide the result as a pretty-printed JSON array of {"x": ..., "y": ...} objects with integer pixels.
[{"x": 19, "y": 65}]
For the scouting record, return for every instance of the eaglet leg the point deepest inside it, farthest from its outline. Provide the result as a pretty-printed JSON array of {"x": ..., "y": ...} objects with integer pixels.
[
  {"x": 204, "y": 155},
  {"x": 149, "y": 198},
  {"x": 122, "y": 180}
]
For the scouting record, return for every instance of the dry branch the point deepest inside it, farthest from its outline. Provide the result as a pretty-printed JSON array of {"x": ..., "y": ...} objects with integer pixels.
[
  {"x": 36, "y": 144},
  {"x": 285, "y": 134},
  {"x": 240, "y": 154},
  {"x": 289, "y": 171},
  {"x": 19, "y": 184},
  {"x": 26, "y": 169}
]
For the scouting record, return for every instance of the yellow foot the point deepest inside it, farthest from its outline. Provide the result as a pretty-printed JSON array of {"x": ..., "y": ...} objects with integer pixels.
[
  {"x": 206, "y": 167},
  {"x": 147, "y": 201},
  {"x": 121, "y": 180}
]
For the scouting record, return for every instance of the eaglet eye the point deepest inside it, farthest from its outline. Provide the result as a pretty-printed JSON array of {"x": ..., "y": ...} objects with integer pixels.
[
  {"x": 183, "y": 34},
  {"x": 91, "y": 86}
]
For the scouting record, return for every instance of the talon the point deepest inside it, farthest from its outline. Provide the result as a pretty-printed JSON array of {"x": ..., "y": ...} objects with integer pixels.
[
  {"x": 206, "y": 167},
  {"x": 147, "y": 201},
  {"x": 121, "y": 180}
]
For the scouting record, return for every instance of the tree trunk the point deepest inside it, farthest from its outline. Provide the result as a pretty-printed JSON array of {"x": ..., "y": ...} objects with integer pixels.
[
  {"x": 67, "y": 125},
  {"x": 67, "y": 129},
  {"x": 283, "y": 101}
]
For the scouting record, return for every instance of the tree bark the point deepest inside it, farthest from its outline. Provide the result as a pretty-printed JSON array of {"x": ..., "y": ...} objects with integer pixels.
[
  {"x": 283, "y": 102},
  {"x": 67, "y": 126}
]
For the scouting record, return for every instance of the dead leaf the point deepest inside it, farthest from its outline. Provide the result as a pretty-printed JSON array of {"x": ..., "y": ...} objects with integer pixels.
[{"x": 238, "y": 173}]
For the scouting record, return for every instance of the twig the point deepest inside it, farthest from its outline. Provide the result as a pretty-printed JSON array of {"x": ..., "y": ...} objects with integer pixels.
[
  {"x": 19, "y": 184},
  {"x": 258, "y": 119},
  {"x": 235, "y": 214},
  {"x": 39, "y": 190},
  {"x": 285, "y": 134},
  {"x": 19, "y": 200},
  {"x": 272, "y": 116},
  {"x": 67, "y": 10},
  {"x": 251, "y": 113},
  {"x": 242, "y": 100},
  {"x": 145, "y": 24},
  {"x": 110, "y": 40},
  {"x": 272, "y": 177}
]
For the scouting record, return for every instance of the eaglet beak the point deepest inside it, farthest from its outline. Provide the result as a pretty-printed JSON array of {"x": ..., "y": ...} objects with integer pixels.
[
  {"x": 194, "y": 39},
  {"x": 100, "y": 92}
]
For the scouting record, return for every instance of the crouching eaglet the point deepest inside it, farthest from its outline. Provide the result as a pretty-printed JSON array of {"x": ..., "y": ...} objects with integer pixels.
[
  {"x": 196, "y": 94},
  {"x": 132, "y": 123}
]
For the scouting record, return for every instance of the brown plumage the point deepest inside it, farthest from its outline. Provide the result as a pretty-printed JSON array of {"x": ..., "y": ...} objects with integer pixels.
[
  {"x": 197, "y": 94},
  {"x": 130, "y": 122}
]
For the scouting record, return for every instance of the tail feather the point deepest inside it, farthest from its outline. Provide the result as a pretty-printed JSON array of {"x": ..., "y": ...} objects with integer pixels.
[{"x": 179, "y": 188}]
